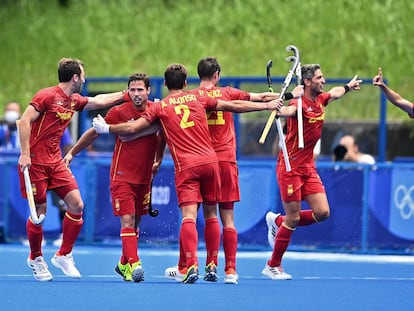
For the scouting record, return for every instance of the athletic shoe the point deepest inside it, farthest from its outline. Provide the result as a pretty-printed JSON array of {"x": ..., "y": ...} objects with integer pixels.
[
  {"x": 124, "y": 271},
  {"x": 137, "y": 272},
  {"x": 173, "y": 273},
  {"x": 211, "y": 272},
  {"x": 66, "y": 264},
  {"x": 231, "y": 277},
  {"x": 40, "y": 269},
  {"x": 271, "y": 227},
  {"x": 276, "y": 273},
  {"x": 191, "y": 276}
]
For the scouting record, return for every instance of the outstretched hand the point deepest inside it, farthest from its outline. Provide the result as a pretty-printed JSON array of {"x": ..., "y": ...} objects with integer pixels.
[
  {"x": 298, "y": 91},
  {"x": 378, "y": 80},
  {"x": 354, "y": 84},
  {"x": 99, "y": 124}
]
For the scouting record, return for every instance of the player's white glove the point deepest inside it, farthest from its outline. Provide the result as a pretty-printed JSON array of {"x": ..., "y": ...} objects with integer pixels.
[{"x": 100, "y": 126}]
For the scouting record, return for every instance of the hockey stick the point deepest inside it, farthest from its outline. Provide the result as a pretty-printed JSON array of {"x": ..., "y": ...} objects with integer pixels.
[
  {"x": 278, "y": 123},
  {"x": 32, "y": 206},
  {"x": 29, "y": 193},
  {"x": 152, "y": 212},
  {"x": 285, "y": 86},
  {"x": 298, "y": 73}
]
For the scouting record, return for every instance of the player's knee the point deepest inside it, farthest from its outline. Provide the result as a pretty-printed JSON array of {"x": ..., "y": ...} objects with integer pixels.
[
  {"x": 322, "y": 215},
  {"x": 76, "y": 207}
]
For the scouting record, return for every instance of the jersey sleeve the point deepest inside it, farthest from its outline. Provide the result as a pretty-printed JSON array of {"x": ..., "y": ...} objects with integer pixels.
[
  {"x": 153, "y": 112},
  {"x": 208, "y": 102},
  {"x": 80, "y": 101},
  {"x": 111, "y": 116},
  {"x": 236, "y": 94}
]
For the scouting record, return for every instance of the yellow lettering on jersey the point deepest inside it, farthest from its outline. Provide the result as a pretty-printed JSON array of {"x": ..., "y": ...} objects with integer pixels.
[
  {"x": 215, "y": 118},
  {"x": 214, "y": 93},
  {"x": 320, "y": 118},
  {"x": 64, "y": 115},
  {"x": 182, "y": 99}
]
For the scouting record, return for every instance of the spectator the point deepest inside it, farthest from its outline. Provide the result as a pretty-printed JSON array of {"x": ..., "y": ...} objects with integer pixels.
[
  {"x": 352, "y": 151},
  {"x": 9, "y": 139}
]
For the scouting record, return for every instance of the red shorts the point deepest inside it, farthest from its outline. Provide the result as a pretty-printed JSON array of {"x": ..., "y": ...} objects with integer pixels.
[
  {"x": 129, "y": 199},
  {"x": 230, "y": 191},
  {"x": 298, "y": 183},
  {"x": 198, "y": 184},
  {"x": 57, "y": 177}
]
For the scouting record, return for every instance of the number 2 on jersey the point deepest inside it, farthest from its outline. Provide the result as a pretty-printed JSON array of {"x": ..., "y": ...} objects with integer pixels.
[{"x": 185, "y": 111}]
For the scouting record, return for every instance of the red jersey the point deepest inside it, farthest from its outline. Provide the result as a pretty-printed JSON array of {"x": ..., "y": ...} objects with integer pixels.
[
  {"x": 221, "y": 123},
  {"x": 56, "y": 110},
  {"x": 131, "y": 161},
  {"x": 313, "y": 118},
  {"x": 184, "y": 122}
]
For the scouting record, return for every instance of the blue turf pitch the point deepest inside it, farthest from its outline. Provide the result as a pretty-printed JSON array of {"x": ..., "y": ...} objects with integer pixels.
[{"x": 321, "y": 281}]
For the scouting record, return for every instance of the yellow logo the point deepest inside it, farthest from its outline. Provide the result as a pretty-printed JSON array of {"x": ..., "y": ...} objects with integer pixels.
[{"x": 290, "y": 190}]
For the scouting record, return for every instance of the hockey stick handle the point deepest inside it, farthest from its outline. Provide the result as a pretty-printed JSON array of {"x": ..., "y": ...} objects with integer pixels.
[
  {"x": 283, "y": 144},
  {"x": 285, "y": 86}
]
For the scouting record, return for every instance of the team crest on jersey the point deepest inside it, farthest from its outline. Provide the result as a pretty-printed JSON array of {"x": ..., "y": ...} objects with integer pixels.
[
  {"x": 72, "y": 104},
  {"x": 290, "y": 190},
  {"x": 34, "y": 189}
]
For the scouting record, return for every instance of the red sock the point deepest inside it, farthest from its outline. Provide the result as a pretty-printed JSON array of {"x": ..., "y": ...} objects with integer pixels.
[
  {"x": 189, "y": 239},
  {"x": 71, "y": 227},
  {"x": 212, "y": 239},
  {"x": 282, "y": 242},
  {"x": 129, "y": 245},
  {"x": 35, "y": 237},
  {"x": 230, "y": 240},
  {"x": 306, "y": 219}
]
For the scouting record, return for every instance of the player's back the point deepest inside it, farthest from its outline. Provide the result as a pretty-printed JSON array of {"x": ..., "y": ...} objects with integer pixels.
[{"x": 183, "y": 119}]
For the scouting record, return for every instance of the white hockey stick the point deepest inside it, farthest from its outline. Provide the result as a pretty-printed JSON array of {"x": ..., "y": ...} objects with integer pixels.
[{"x": 29, "y": 192}]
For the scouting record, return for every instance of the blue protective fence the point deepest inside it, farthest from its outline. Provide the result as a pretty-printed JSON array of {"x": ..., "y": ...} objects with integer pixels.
[{"x": 372, "y": 208}]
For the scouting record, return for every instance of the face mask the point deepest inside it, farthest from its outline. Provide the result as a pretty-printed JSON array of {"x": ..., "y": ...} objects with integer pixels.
[{"x": 11, "y": 116}]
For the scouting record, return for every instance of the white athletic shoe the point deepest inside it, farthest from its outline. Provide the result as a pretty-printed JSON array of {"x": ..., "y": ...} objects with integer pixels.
[
  {"x": 173, "y": 273},
  {"x": 271, "y": 227},
  {"x": 276, "y": 273},
  {"x": 40, "y": 269},
  {"x": 137, "y": 272},
  {"x": 231, "y": 277},
  {"x": 67, "y": 265}
]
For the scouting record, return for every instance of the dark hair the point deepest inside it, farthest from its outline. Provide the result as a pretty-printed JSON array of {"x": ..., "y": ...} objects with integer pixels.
[
  {"x": 339, "y": 152},
  {"x": 139, "y": 77},
  {"x": 68, "y": 67},
  {"x": 308, "y": 71},
  {"x": 207, "y": 67},
  {"x": 175, "y": 76}
]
